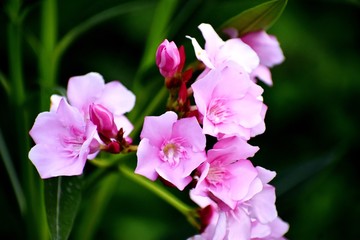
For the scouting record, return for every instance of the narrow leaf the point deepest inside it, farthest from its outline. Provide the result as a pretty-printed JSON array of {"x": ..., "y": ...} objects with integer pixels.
[
  {"x": 101, "y": 17},
  {"x": 4, "y": 82},
  {"x": 5, "y": 156},
  {"x": 62, "y": 200},
  {"x": 157, "y": 32},
  {"x": 259, "y": 17}
]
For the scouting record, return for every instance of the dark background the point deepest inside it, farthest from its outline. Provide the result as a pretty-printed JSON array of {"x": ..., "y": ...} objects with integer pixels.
[{"x": 313, "y": 120}]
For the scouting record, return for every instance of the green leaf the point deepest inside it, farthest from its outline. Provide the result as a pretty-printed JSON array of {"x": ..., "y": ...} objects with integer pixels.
[
  {"x": 62, "y": 200},
  {"x": 257, "y": 18},
  {"x": 5, "y": 156},
  {"x": 95, "y": 20},
  {"x": 157, "y": 32}
]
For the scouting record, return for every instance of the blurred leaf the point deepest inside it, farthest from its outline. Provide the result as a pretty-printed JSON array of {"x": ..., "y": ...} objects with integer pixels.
[
  {"x": 4, "y": 82},
  {"x": 93, "y": 21},
  {"x": 93, "y": 207},
  {"x": 62, "y": 200},
  {"x": 5, "y": 156},
  {"x": 299, "y": 173},
  {"x": 157, "y": 32},
  {"x": 259, "y": 17}
]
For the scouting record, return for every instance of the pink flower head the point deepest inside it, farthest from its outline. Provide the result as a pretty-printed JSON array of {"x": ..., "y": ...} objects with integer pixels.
[
  {"x": 254, "y": 217},
  {"x": 218, "y": 51},
  {"x": 170, "y": 148},
  {"x": 64, "y": 140},
  {"x": 236, "y": 224},
  {"x": 227, "y": 225},
  {"x": 268, "y": 49},
  {"x": 230, "y": 102},
  {"x": 85, "y": 90},
  {"x": 167, "y": 58},
  {"x": 227, "y": 177}
]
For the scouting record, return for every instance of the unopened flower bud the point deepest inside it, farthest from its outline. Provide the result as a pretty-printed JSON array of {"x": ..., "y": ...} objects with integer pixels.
[
  {"x": 103, "y": 119},
  {"x": 167, "y": 58}
]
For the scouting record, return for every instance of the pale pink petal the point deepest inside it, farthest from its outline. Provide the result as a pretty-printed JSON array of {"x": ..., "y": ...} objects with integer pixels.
[
  {"x": 54, "y": 102},
  {"x": 259, "y": 231},
  {"x": 263, "y": 205},
  {"x": 201, "y": 54},
  {"x": 213, "y": 41},
  {"x": 266, "y": 46},
  {"x": 173, "y": 176},
  {"x": 84, "y": 90},
  {"x": 116, "y": 98},
  {"x": 239, "y": 52},
  {"x": 239, "y": 225},
  {"x": 50, "y": 163},
  {"x": 190, "y": 130},
  {"x": 265, "y": 175},
  {"x": 147, "y": 157},
  {"x": 263, "y": 73},
  {"x": 278, "y": 228},
  {"x": 158, "y": 129}
]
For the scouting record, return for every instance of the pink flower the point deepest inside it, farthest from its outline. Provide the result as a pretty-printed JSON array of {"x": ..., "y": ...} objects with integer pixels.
[
  {"x": 227, "y": 177},
  {"x": 167, "y": 58},
  {"x": 268, "y": 49},
  {"x": 218, "y": 51},
  {"x": 64, "y": 141},
  {"x": 254, "y": 217},
  {"x": 230, "y": 102},
  {"x": 170, "y": 148},
  {"x": 85, "y": 90}
]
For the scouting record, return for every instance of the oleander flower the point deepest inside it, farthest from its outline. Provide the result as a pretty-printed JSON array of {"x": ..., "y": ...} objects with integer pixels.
[
  {"x": 64, "y": 141},
  {"x": 230, "y": 102},
  {"x": 254, "y": 217},
  {"x": 217, "y": 51},
  {"x": 170, "y": 148},
  {"x": 167, "y": 58},
  {"x": 85, "y": 90},
  {"x": 227, "y": 177}
]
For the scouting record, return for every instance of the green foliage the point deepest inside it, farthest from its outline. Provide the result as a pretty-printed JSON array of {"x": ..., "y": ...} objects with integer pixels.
[
  {"x": 259, "y": 17},
  {"x": 62, "y": 200}
]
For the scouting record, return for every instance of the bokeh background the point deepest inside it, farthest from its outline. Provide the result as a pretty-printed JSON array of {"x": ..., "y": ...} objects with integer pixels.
[{"x": 313, "y": 120}]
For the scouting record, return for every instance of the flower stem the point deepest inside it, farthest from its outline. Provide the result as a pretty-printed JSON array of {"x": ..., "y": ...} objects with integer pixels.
[
  {"x": 189, "y": 212},
  {"x": 153, "y": 105},
  {"x": 47, "y": 65}
]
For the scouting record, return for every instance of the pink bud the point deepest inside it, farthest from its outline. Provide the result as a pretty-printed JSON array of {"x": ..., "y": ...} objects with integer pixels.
[
  {"x": 103, "y": 119},
  {"x": 167, "y": 58}
]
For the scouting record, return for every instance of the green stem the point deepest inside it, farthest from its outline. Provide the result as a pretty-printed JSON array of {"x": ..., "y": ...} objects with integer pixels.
[
  {"x": 47, "y": 66},
  {"x": 4, "y": 82},
  {"x": 20, "y": 197},
  {"x": 153, "y": 105},
  {"x": 34, "y": 212},
  {"x": 187, "y": 211}
]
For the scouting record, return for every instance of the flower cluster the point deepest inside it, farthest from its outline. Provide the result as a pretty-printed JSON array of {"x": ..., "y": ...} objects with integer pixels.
[
  {"x": 201, "y": 142},
  {"x": 76, "y": 128}
]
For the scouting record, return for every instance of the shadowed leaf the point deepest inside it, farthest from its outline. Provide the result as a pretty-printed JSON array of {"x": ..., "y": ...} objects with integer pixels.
[
  {"x": 62, "y": 199},
  {"x": 259, "y": 17}
]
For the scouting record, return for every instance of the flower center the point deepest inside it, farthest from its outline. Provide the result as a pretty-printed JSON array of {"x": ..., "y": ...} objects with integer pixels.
[
  {"x": 217, "y": 175},
  {"x": 173, "y": 152},
  {"x": 217, "y": 111},
  {"x": 73, "y": 141}
]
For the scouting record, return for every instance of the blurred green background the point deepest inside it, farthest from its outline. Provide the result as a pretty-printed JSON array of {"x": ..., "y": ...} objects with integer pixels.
[{"x": 313, "y": 120}]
